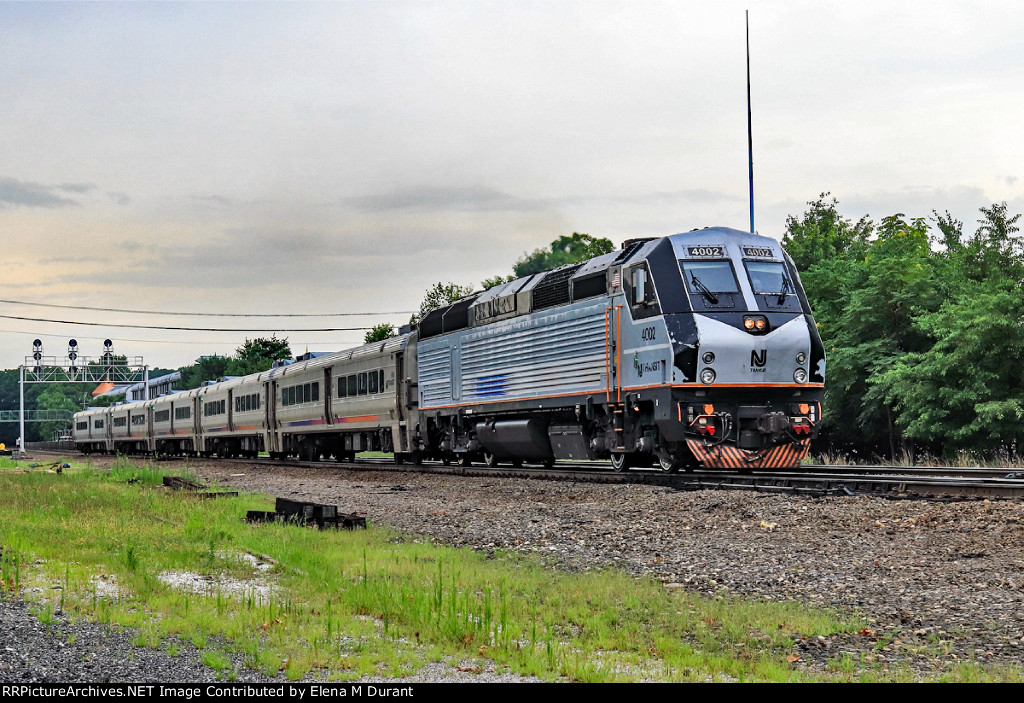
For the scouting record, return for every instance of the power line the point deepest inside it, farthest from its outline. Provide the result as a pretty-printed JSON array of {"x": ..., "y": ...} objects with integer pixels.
[
  {"x": 191, "y": 342},
  {"x": 206, "y": 314},
  {"x": 188, "y": 329}
]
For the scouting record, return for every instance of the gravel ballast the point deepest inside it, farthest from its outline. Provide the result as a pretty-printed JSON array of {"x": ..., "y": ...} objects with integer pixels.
[{"x": 936, "y": 583}]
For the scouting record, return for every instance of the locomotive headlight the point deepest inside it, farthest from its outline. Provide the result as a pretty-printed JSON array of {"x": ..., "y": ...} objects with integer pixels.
[
  {"x": 801, "y": 358},
  {"x": 800, "y": 376},
  {"x": 709, "y": 357},
  {"x": 759, "y": 323},
  {"x": 707, "y": 376},
  {"x": 748, "y": 322}
]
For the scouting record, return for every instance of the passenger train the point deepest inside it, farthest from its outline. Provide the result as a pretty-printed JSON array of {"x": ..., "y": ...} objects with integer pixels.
[{"x": 695, "y": 349}]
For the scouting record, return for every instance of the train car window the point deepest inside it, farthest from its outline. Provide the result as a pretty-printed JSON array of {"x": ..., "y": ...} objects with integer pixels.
[
  {"x": 161, "y": 416},
  {"x": 120, "y": 421},
  {"x": 82, "y": 425},
  {"x": 342, "y": 387},
  {"x": 258, "y": 401},
  {"x": 716, "y": 276},
  {"x": 316, "y": 391},
  {"x": 362, "y": 383},
  {"x": 381, "y": 373},
  {"x": 98, "y": 424},
  {"x": 768, "y": 277},
  {"x": 373, "y": 381},
  {"x": 352, "y": 385},
  {"x": 306, "y": 396}
]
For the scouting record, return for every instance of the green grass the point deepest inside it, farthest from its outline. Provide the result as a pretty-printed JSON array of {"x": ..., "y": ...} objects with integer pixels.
[{"x": 372, "y": 602}]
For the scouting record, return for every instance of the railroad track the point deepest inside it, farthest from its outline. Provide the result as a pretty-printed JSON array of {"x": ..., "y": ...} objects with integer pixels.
[
  {"x": 944, "y": 483},
  {"x": 890, "y": 481}
]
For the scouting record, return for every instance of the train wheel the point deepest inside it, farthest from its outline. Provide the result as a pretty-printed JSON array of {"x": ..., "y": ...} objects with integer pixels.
[
  {"x": 490, "y": 461},
  {"x": 669, "y": 465},
  {"x": 465, "y": 459},
  {"x": 620, "y": 461}
]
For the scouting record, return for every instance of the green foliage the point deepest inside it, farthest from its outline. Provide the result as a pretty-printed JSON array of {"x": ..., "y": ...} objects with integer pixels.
[
  {"x": 207, "y": 368},
  {"x": 918, "y": 328},
  {"x": 257, "y": 355},
  {"x": 440, "y": 294},
  {"x": 379, "y": 332},
  {"x": 564, "y": 250},
  {"x": 253, "y": 356},
  {"x": 489, "y": 283}
]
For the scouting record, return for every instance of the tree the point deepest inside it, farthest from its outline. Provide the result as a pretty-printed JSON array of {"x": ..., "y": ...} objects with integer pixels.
[
  {"x": 257, "y": 355},
  {"x": 62, "y": 396},
  {"x": 498, "y": 280},
  {"x": 823, "y": 234},
  {"x": 440, "y": 294},
  {"x": 207, "y": 368},
  {"x": 964, "y": 390},
  {"x": 564, "y": 250},
  {"x": 379, "y": 332}
]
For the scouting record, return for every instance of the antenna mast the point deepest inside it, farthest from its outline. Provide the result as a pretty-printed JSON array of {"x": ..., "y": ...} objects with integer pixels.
[{"x": 750, "y": 137}]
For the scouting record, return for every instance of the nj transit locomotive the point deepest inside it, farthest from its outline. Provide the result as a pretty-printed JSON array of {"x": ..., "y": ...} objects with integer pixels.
[{"x": 693, "y": 349}]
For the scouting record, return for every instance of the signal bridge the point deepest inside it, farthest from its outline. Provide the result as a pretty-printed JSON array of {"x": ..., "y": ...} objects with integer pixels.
[
  {"x": 83, "y": 369},
  {"x": 73, "y": 368}
]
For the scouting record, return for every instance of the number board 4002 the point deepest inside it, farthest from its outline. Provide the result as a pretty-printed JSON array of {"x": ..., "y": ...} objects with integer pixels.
[
  {"x": 706, "y": 250},
  {"x": 758, "y": 253}
]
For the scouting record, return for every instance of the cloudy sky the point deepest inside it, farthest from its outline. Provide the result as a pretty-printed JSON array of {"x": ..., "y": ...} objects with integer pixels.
[{"x": 342, "y": 157}]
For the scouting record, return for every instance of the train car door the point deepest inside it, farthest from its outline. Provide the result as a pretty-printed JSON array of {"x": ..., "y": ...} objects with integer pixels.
[
  {"x": 270, "y": 404},
  {"x": 328, "y": 394},
  {"x": 231, "y": 410}
]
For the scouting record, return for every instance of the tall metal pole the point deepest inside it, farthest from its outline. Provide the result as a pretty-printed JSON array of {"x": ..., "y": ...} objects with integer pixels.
[
  {"x": 750, "y": 133},
  {"x": 21, "y": 414}
]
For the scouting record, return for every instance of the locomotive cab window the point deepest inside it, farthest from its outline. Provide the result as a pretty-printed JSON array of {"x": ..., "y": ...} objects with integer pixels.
[
  {"x": 768, "y": 277},
  {"x": 638, "y": 277},
  {"x": 715, "y": 276}
]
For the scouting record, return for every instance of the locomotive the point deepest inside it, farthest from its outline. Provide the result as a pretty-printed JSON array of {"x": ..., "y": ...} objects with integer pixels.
[{"x": 694, "y": 349}]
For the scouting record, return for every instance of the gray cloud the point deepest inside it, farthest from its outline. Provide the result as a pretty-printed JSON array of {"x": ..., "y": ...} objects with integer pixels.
[
  {"x": 1010, "y": 180},
  {"x": 15, "y": 193},
  {"x": 76, "y": 187},
  {"x": 429, "y": 198},
  {"x": 119, "y": 198}
]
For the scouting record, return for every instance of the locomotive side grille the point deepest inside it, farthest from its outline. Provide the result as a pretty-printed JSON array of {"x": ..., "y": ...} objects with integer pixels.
[{"x": 554, "y": 288}]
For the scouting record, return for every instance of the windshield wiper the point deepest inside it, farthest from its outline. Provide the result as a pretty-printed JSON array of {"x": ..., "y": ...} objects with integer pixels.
[
  {"x": 785, "y": 286},
  {"x": 704, "y": 290}
]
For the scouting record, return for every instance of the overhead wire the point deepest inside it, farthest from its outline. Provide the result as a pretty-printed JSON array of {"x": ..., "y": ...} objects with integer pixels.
[
  {"x": 188, "y": 329},
  {"x": 204, "y": 314}
]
